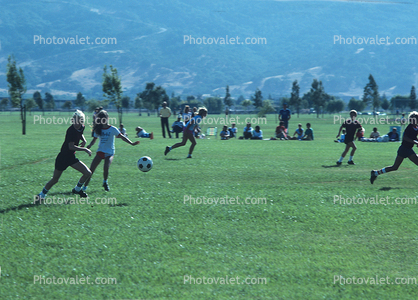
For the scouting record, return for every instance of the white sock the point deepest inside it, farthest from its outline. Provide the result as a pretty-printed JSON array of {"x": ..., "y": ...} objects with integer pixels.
[
  {"x": 77, "y": 188},
  {"x": 84, "y": 188},
  {"x": 341, "y": 159},
  {"x": 351, "y": 158}
]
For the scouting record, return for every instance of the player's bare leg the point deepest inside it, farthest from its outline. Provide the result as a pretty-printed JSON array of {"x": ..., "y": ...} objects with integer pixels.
[
  {"x": 193, "y": 140},
  {"x": 394, "y": 167},
  {"x": 106, "y": 166},
  {"x": 82, "y": 168},
  {"x": 94, "y": 164},
  {"x": 347, "y": 147}
]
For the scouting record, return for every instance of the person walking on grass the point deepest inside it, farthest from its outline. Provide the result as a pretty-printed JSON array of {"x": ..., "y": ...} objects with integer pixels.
[
  {"x": 66, "y": 158},
  {"x": 405, "y": 150},
  {"x": 188, "y": 132},
  {"x": 106, "y": 149},
  {"x": 351, "y": 126}
]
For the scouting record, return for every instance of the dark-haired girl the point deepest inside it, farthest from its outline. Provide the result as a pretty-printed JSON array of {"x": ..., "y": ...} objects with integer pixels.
[{"x": 106, "y": 150}]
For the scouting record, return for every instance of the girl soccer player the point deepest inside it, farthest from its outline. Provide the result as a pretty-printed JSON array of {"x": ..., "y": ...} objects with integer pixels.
[
  {"x": 188, "y": 132},
  {"x": 351, "y": 126},
  {"x": 405, "y": 149},
  {"x": 106, "y": 150},
  {"x": 66, "y": 158}
]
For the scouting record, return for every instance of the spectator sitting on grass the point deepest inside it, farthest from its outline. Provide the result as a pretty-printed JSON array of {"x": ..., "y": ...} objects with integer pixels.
[
  {"x": 257, "y": 133},
  {"x": 177, "y": 127},
  {"x": 248, "y": 132},
  {"x": 393, "y": 135},
  {"x": 308, "y": 133},
  {"x": 281, "y": 132},
  {"x": 233, "y": 131},
  {"x": 375, "y": 134},
  {"x": 298, "y": 132},
  {"x": 360, "y": 134},
  {"x": 122, "y": 129},
  {"x": 141, "y": 133},
  {"x": 225, "y": 133}
]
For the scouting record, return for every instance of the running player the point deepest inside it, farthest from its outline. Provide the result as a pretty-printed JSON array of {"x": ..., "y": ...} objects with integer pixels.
[{"x": 351, "y": 126}]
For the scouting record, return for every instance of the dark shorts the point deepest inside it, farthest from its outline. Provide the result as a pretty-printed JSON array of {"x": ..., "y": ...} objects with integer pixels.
[
  {"x": 63, "y": 161},
  {"x": 348, "y": 141},
  {"x": 405, "y": 151}
]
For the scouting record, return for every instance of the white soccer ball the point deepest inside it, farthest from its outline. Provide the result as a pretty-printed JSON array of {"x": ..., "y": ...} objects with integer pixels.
[{"x": 144, "y": 164}]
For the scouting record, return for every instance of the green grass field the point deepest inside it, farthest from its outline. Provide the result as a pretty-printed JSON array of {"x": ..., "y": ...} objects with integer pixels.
[{"x": 294, "y": 246}]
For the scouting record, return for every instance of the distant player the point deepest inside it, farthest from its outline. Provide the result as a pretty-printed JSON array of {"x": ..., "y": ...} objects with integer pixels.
[
  {"x": 405, "y": 149},
  {"x": 351, "y": 126},
  {"x": 106, "y": 150},
  {"x": 188, "y": 132},
  {"x": 66, "y": 158}
]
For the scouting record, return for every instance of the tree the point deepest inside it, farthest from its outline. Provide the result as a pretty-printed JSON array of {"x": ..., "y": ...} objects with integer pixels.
[
  {"x": 4, "y": 102},
  {"x": 112, "y": 89},
  {"x": 49, "y": 100},
  {"x": 266, "y": 108},
  {"x": 153, "y": 96},
  {"x": 385, "y": 102},
  {"x": 92, "y": 104},
  {"x": 228, "y": 100},
  {"x": 400, "y": 102},
  {"x": 318, "y": 96},
  {"x": 335, "y": 106},
  {"x": 257, "y": 99},
  {"x": 39, "y": 101},
  {"x": 213, "y": 104},
  {"x": 67, "y": 105},
  {"x": 138, "y": 103},
  {"x": 371, "y": 94},
  {"x": 174, "y": 102},
  {"x": 295, "y": 100},
  {"x": 17, "y": 88},
  {"x": 356, "y": 104},
  {"x": 30, "y": 103},
  {"x": 126, "y": 102},
  {"x": 413, "y": 99},
  {"x": 80, "y": 100},
  {"x": 246, "y": 103}
]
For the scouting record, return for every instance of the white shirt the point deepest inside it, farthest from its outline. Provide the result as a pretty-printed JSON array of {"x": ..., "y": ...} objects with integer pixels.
[{"x": 107, "y": 140}]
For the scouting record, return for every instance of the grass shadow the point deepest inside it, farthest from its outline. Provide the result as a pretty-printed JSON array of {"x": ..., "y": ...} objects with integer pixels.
[
  {"x": 19, "y": 207},
  {"x": 167, "y": 158},
  {"x": 335, "y": 166},
  {"x": 388, "y": 188}
]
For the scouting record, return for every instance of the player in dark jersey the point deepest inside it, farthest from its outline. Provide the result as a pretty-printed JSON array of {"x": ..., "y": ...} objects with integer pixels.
[
  {"x": 66, "y": 158},
  {"x": 351, "y": 126},
  {"x": 405, "y": 150}
]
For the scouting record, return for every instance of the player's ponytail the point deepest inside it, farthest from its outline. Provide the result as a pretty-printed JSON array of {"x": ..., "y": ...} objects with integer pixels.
[{"x": 101, "y": 119}]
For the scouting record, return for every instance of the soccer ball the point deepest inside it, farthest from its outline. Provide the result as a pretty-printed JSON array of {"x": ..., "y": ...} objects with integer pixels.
[{"x": 144, "y": 164}]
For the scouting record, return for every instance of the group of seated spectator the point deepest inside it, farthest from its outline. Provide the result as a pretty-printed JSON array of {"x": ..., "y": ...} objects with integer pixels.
[
  {"x": 392, "y": 136},
  {"x": 252, "y": 134},
  {"x": 186, "y": 115},
  {"x": 299, "y": 134}
]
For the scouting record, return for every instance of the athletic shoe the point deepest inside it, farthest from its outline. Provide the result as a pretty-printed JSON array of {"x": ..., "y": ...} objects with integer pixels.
[
  {"x": 372, "y": 176},
  {"x": 189, "y": 156},
  {"x": 38, "y": 199},
  {"x": 80, "y": 192},
  {"x": 106, "y": 186},
  {"x": 167, "y": 149},
  {"x": 350, "y": 162},
  {"x": 152, "y": 136},
  {"x": 339, "y": 163}
]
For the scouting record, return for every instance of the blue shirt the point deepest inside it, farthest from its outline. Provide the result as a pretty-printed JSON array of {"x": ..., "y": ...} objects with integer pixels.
[
  {"x": 285, "y": 114},
  {"x": 197, "y": 120}
]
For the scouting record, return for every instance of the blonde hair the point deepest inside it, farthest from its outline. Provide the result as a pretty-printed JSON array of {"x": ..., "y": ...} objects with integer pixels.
[
  {"x": 413, "y": 116},
  {"x": 353, "y": 111},
  {"x": 203, "y": 109},
  {"x": 79, "y": 115}
]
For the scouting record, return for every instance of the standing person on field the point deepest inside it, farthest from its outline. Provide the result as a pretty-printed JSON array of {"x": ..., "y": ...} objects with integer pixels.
[
  {"x": 405, "y": 150},
  {"x": 188, "y": 132},
  {"x": 165, "y": 113},
  {"x": 351, "y": 126},
  {"x": 285, "y": 115},
  {"x": 106, "y": 150},
  {"x": 66, "y": 158}
]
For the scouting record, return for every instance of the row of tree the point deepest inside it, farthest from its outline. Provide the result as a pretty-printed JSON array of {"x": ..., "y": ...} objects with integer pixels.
[{"x": 152, "y": 97}]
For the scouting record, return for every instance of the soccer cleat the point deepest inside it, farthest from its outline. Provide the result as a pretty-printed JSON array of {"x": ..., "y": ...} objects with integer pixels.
[
  {"x": 38, "y": 199},
  {"x": 167, "y": 149},
  {"x": 350, "y": 162},
  {"x": 151, "y": 136},
  {"x": 80, "y": 192},
  {"x": 339, "y": 163},
  {"x": 106, "y": 186},
  {"x": 372, "y": 176},
  {"x": 189, "y": 156}
]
